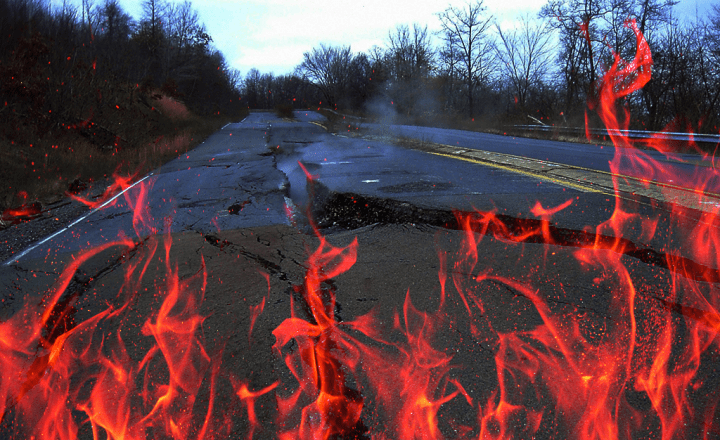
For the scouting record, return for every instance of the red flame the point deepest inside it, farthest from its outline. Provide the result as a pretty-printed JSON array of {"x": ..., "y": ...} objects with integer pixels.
[
  {"x": 57, "y": 364},
  {"x": 334, "y": 411},
  {"x": 26, "y": 210},
  {"x": 120, "y": 183}
]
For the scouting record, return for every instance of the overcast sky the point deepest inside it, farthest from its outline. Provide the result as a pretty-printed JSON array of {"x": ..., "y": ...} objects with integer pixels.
[{"x": 271, "y": 35}]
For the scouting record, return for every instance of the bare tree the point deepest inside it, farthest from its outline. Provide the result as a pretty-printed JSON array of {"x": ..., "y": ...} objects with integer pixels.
[
  {"x": 409, "y": 52},
  {"x": 328, "y": 68},
  {"x": 358, "y": 90},
  {"x": 378, "y": 62},
  {"x": 115, "y": 23},
  {"x": 525, "y": 56},
  {"x": 467, "y": 29},
  {"x": 409, "y": 57},
  {"x": 153, "y": 23},
  {"x": 712, "y": 78},
  {"x": 90, "y": 17},
  {"x": 448, "y": 62},
  {"x": 234, "y": 79},
  {"x": 578, "y": 22},
  {"x": 267, "y": 86},
  {"x": 187, "y": 41},
  {"x": 592, "y": 32},
  {"x": 154, "y": 11},
  {"x": 251, "y": 88},
  {"x": 688, "y": 65},
  {"x": 184, "y": 28},
  {"x": 66, "y": 22}
]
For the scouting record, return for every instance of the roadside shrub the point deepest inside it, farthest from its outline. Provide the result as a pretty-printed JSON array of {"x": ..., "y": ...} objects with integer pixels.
[
  {"x": 172, "y": 109},
  {"x": 284, "y": 111}
]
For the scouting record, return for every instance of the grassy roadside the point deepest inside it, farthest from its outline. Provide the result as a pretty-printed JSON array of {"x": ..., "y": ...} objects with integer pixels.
[{"x": 126, "y": 137}]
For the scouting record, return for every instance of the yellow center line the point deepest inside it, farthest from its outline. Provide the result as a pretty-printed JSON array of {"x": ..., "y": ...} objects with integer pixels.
[
  {"x": 319, "y": 125},
  {"x": 565, "y": 183},
  {"x": 591, "y": 170}
]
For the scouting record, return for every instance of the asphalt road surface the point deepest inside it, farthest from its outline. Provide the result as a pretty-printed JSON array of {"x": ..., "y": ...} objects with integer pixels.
[
  {"x": 591, "y": 156},
  {"x": 245, "y": 174},
  {"x": 236, "y": 211},
  {"x": 248, "y": 174}
]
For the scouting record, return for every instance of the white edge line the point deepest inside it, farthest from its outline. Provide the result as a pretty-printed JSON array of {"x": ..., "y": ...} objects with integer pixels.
[
  {"x": 50, "y": 237},
  {"x": 226, "y": 125}
]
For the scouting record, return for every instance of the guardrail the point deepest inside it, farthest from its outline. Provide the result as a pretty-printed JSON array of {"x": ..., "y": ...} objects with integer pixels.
[{"x": 633, "y": 134}]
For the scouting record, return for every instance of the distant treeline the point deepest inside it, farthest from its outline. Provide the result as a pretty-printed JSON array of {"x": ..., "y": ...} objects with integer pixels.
[{"x": 542, "y": 69}]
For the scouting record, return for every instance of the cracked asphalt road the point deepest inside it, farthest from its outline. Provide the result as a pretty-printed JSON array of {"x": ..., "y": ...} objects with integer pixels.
[
  {"x": 247, "y": 175},
  {"x": 229, "y": 199}
]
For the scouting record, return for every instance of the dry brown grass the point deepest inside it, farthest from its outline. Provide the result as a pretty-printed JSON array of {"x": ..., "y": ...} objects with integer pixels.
[
  {"x": 171, "y": 108},
  {"x": 43, "y": 167}
]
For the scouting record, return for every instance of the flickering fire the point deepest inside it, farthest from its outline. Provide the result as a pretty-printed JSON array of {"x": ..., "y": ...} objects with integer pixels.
[
  {"x": 563, "y": 376},
  {"x": 14, "y": 215},
  {"x": 120, "y": 183}
]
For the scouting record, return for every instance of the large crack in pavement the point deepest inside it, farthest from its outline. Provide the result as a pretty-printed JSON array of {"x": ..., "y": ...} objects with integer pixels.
[
  {"x": 336, "y": 212},
  {"x": 225, "y": 245},
  {"x": 352, "y": 211}
]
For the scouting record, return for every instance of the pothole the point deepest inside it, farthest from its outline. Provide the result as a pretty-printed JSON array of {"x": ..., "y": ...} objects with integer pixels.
[
  {"x": 235, "y": 208},
  {"x": 352, "y": 211}
]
